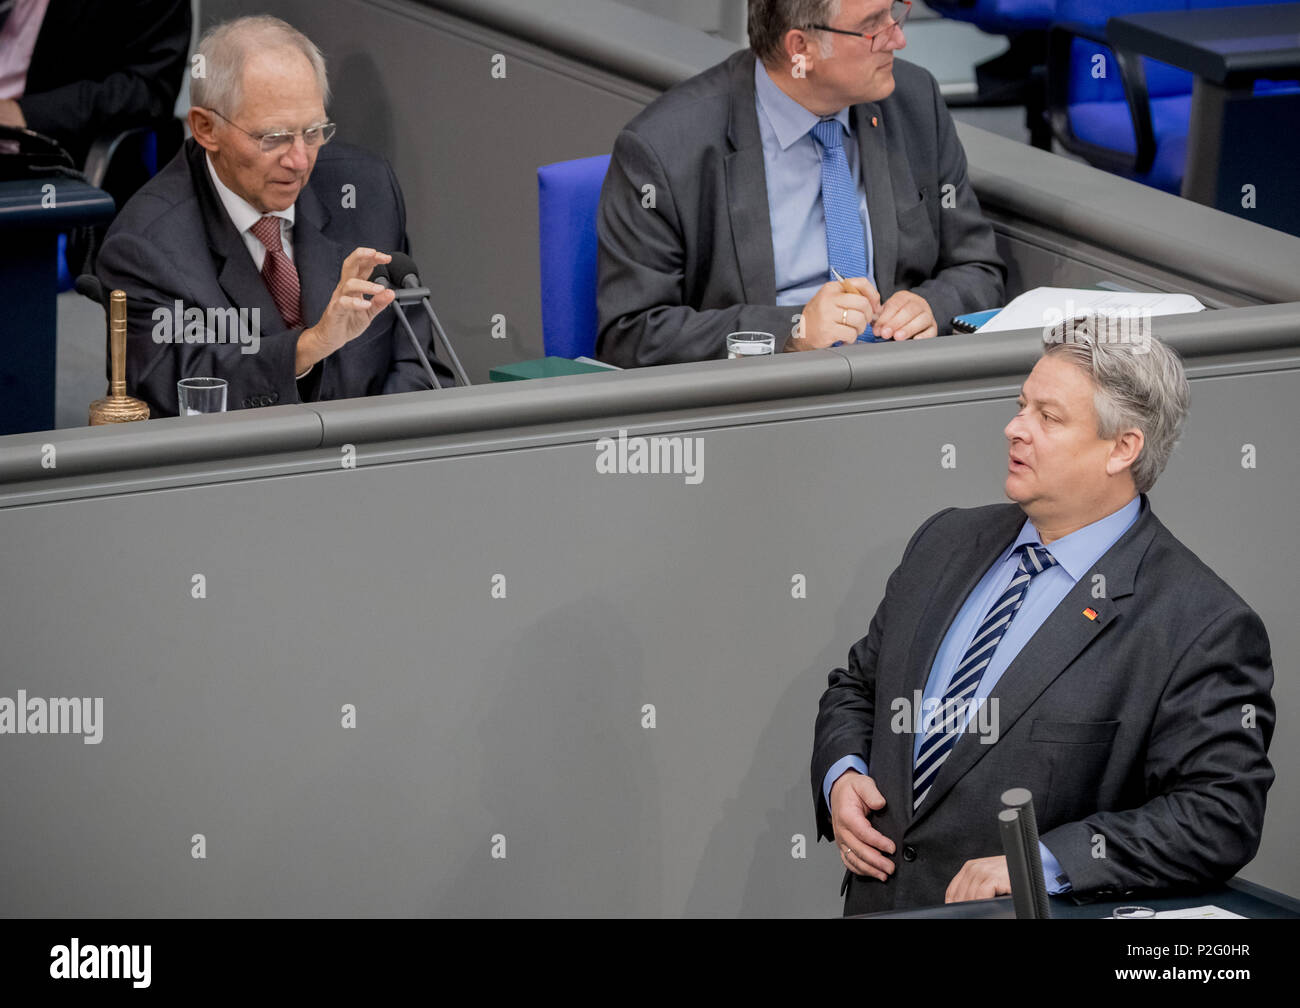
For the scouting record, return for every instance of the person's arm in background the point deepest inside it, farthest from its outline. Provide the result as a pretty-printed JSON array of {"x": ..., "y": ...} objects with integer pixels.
[{"x": 148, "y": 64}]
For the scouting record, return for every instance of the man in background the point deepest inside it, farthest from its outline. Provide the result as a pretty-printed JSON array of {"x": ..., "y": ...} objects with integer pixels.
[{"x": 731, "y": 198}]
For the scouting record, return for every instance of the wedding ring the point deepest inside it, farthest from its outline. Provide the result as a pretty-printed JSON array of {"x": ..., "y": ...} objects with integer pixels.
[{"x": 844, "y": 317}]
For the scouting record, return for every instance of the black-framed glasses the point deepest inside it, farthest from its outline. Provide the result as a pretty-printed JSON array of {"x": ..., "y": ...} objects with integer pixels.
[
  {"x": 898, "y": 12},
  {"x": 281, "y": 140}
]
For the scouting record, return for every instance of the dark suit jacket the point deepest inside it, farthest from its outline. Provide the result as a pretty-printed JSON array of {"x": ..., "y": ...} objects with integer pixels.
[
  {"x": 174, "y": 240},
  {"x": 1132, "y": 727},
  {"x": 674, "y": 280},
  {"x": 99, "y": 68}
]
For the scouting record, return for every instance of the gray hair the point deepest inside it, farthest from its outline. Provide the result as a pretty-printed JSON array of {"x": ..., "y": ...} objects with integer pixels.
[
  {"x": 217, "y": 80},
  {"x": 769, "y": 20},
  {"x": 1136, "y": 384}
]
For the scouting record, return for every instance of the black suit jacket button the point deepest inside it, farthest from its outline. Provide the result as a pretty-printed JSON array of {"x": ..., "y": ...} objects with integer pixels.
[
  {"x": 246, "y": 403},
  {"x": 275, "y": 398},
  {"x": 909, "y": 852}
]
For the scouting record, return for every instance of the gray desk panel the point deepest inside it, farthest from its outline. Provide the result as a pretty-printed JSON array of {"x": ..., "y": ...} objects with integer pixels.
[
  {"x": 522, "y": 716},
  {"x": 1236, "y": 336},
  {"x": 76, "y": 451}
]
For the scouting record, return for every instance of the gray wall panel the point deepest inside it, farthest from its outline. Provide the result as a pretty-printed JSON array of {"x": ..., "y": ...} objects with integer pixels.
[{"x": 521, "y": 715}]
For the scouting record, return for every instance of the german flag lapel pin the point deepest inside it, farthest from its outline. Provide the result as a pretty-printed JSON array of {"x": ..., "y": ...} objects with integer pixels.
[{"x": 1091, "y": 613}]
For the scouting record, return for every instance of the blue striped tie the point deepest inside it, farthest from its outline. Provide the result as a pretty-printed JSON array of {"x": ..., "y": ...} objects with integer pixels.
[
  {"x": 950, "y": 719},
  {"x": 846, "y": 242}
]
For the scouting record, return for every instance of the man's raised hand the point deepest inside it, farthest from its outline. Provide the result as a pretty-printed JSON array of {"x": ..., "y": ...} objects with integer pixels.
[{"x": 348, "y": 314}]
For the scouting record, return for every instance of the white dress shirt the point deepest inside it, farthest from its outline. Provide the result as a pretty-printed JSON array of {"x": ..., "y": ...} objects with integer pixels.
[{"x": 244, "y": 215}]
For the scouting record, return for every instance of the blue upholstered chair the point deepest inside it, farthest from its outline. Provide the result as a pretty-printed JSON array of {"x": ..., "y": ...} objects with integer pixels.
[
  {"x": 1131, "y": 117},
  {"x": 1018, "y": 75},
  {"x": 568, "y": 193}
]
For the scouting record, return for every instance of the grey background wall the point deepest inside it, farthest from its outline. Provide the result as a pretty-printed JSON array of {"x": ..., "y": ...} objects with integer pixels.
[{"x": 725, "y": 18}]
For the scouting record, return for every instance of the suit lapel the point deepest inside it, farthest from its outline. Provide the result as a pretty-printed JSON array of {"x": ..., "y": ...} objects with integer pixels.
[
  {"x": 1064, "y": 635},
  {"x": 874, "y": 159},
  {"x": 317, "y": 256},
  {"x": 968, "y": 563},
  {"x": 238, "y": 277},
  {"x": 751, "y": 225}
]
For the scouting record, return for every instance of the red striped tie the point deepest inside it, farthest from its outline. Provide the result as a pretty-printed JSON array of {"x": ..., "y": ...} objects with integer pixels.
[{"x": 278, "y": 271}]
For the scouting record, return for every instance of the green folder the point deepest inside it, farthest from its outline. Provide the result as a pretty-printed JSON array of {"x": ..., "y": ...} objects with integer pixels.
[{"x": 547, "y": 367}]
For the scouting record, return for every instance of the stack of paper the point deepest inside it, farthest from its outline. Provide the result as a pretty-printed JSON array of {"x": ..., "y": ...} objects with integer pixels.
[{"x": 1044, "y": 307}]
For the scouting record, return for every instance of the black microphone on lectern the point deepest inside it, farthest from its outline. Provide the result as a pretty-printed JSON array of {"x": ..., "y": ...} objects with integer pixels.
[
  {"x": 407, "y": 277},
  {"x": 380, "y": 275}
]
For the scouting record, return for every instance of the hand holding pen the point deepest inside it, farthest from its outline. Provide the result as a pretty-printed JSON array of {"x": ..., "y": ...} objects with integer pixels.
[{"x": 867, "y": 336}]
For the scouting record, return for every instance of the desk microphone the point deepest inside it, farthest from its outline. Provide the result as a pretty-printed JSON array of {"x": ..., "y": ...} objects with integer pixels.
[
  {"x": 380, "y": 276},
  {"x": 405, "y": 275}
]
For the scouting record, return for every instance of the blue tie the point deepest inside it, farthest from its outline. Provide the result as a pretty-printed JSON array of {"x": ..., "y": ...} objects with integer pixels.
[
  {"x": 846, "y": 243},
  {"x": 950, "y": 720}
]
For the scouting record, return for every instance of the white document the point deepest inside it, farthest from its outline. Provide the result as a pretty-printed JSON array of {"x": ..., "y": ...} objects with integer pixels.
[
  {"x": 1048, "y": 306},
  {"x": 1200, "y": 913}
]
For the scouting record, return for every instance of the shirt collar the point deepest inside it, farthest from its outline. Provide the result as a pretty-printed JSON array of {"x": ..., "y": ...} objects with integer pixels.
[
  {"x": 790, "y": 120},
  {"x": 1078, "y": 551},
  {"x": 242, "y": 213}
]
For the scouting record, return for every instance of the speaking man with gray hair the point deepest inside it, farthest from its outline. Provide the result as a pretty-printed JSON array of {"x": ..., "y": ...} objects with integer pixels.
[
  {"x": 1066, "y": 643},
  {"x": 259, "y": 226},
  {"x": 731, "y": 199}
]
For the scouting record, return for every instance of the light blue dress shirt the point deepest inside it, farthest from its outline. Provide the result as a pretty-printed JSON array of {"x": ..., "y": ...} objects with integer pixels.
[
  {"x": 1075, "y": 555},
  {"x": 793, "y": 163}
]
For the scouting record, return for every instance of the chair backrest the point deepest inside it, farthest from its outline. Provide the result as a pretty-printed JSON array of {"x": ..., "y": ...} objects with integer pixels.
[
  {"x": 568, "y": 193},
  {"x": 1103, "y": 83}
]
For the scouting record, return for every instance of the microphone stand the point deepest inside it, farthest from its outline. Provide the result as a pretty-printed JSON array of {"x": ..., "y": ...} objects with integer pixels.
[{"x": 383, "y": 281}]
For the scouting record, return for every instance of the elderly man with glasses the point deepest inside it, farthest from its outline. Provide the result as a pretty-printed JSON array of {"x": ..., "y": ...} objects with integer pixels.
[
  {"x": 257, "y": 215},
  {"x": 736, "y": 201}
]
